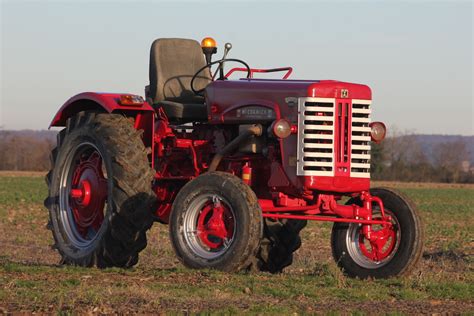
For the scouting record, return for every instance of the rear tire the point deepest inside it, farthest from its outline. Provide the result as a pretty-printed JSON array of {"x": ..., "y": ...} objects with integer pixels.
[
  {"x": 281, "y": 239},
  {"x": 216, "y": 223},
  {"x": 352, "y": 252},
  {"x": 101, "y": 159}
]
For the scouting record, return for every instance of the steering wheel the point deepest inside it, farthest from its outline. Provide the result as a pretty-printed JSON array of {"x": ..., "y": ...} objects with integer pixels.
[{"x": 200, "y": 91}]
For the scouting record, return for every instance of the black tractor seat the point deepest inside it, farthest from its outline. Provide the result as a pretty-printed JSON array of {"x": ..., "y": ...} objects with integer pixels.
[
  {"x": 173, "y": 63},
  {"x": 183, "y": 113}
]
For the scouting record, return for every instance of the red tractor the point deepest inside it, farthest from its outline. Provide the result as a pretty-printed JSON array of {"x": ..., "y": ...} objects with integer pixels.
[{"x": 235, "y": 167}]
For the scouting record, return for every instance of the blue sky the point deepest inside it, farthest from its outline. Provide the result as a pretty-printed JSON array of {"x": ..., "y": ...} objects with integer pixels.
[{"x": 417, "y": 56}]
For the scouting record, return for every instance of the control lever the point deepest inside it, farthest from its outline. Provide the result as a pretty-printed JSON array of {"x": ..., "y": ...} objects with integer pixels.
[{"x": 227, "y": 48}]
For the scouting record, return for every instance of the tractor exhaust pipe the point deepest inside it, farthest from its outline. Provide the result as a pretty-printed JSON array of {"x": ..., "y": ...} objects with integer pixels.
[{"x": 253, "y": 130}]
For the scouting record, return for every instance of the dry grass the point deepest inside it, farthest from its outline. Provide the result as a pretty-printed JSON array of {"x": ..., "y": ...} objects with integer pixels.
[
  {"x": 422, "y": 185},
  {"x": 31, "y": 280},
  {"x": 8, "y": 173}
]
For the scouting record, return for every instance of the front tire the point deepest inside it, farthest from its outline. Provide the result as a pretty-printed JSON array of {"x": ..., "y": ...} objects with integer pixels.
[
  {"x": 395, "y": 253},
  {"x": 216, "y": 223},
  {"x": 100, "y": 198}
]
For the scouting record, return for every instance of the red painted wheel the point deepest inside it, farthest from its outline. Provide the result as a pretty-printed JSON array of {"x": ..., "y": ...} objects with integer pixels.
[
  {"x": 389, "y": 250},
  {"x": 83, "y": 194},
  {"x": 100, "y": 196},
  {"x": 216, "y": 223},
  {"x": 209, "y": 225},
  {"x": 380, "y": 248}
]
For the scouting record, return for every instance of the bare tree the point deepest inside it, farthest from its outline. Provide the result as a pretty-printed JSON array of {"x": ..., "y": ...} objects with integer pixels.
[{"x": 448, "y": 158}]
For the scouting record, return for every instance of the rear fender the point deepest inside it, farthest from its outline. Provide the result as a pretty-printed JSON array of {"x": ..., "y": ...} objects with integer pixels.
[
  {"x": 91, "y": 101},
  {"x": 108, "y": 103}
]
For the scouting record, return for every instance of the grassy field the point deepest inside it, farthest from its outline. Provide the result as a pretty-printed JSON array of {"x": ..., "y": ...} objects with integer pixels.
[{"x": 31, "y": 279}]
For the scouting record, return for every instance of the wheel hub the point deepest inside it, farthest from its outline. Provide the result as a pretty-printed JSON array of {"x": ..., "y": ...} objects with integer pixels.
[
  {"x": 209, "y": 226},
  {"x": 88, "y": 193},
  {"x": 215, "y": 225},
  {"x": 375, "y": 249},
  {"x": 381, "y": 243}
]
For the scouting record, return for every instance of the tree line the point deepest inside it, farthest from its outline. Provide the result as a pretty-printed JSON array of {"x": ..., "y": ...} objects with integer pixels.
[
  {"x": 403, "y": 158},
  {"x": 397, "y": 158},
  {"x": 25, "y": 150}
]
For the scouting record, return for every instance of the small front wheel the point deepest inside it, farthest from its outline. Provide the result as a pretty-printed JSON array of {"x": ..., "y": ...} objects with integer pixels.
[
  {"x": 394, "y": 251},
  {"x": 216, "y": 223}
]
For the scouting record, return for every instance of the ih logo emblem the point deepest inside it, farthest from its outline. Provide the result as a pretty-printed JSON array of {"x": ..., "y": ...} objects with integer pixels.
[{"x": 344, "y": 93}]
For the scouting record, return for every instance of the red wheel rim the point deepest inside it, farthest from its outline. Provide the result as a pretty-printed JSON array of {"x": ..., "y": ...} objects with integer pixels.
[
  {"x": 83, "y": 194},
  {"x": 380, "y": 245},
  {"x": 380, "y": 248},
  {"x": 215, "y": 225},
  {"x": 88, "y": 193},
  {"x": 209, "y": 226}
]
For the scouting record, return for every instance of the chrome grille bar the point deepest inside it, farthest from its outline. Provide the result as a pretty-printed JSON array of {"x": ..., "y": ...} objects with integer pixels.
[
  {"x": 360, "y": 135},
  {"x": 315, "y": 154},
  {"x": 316, "y": 135}
]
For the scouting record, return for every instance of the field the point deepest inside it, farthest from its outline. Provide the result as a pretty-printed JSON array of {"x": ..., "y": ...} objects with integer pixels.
[{"x": 32, "y": 281}]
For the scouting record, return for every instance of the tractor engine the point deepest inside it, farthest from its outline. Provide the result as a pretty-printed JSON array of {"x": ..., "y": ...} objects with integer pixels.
[{"x": 321, "y": 130}]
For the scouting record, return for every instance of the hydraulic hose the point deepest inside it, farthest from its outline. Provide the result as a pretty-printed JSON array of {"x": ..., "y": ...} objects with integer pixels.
[{"x": 253, "y": 130}]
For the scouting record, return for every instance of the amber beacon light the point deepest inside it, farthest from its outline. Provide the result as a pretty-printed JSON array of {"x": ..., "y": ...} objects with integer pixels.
[
  {"x": 209, "y": 47},
  {"x": 208, "y": 42}
]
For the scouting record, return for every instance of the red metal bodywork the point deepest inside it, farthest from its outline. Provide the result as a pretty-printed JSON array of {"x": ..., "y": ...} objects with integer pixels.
[
  {"x": 179, "y": 155},
  {"x": 109, "y": 103},
  {"x": 227, "y": 96},
  {"x": 94, "y": 101}
]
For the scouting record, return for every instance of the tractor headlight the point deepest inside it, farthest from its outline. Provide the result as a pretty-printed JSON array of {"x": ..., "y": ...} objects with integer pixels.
[
  {"x": 281, "y": 128},
  {"x": 377, "y": 131}
]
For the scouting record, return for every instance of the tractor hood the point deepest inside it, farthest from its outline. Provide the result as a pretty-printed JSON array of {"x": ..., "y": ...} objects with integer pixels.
[{"x": 224, "y": 96}]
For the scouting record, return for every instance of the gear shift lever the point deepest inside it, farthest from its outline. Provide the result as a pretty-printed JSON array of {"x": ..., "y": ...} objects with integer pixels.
[{"x": 227, "y": 48}]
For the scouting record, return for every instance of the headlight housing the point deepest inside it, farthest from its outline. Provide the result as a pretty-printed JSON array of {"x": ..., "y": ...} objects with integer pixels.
[
  {"x": 377, "y": 131},
  {"x": 281, "y": 128}
]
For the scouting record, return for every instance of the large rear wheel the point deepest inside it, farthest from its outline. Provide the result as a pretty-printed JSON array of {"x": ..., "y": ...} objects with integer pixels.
[
  {"x": 100, "y": 198},
  {"x": 393, "y": 249},
  {"x": 281, "y": 239}
]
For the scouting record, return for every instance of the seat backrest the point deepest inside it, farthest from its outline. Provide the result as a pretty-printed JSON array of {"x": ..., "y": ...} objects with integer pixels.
[{"x": 173, "y": 63}]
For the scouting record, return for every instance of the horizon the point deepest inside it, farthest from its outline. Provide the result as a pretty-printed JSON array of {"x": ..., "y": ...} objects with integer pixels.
[
  {"x": 400, "y": 134},
  {"x": 49, "y": 54}
]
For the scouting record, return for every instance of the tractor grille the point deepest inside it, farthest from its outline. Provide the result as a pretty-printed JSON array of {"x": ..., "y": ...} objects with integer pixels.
[
  {"x": 316, "y": 137},
  {"x": 334, "y": 137},
  {"x": 360, "y": 139}
]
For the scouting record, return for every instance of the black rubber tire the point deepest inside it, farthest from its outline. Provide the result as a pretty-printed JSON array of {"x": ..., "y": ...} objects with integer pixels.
[
  {"x": 281, "y": 239},
  {"x": 130, "y": 199},
  {"x": 411, "y": 239},
  {"x": 248, "y": 218}
]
